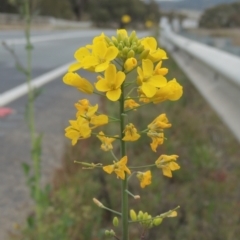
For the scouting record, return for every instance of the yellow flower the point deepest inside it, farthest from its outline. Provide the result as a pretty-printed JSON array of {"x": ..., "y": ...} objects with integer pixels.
[
  {"x": 88, "y": 113},
  {"x": 168, "y": 164},
  {"x": 155, "y": 54},
  {"x": 82, "y": 84},
  {"x": 130, "y": 64},
  {"x": 130, "y": 133},
  {"x": 130, "y": 103},
  {"x": 159, "y": 70},
  {"x": 111, "y": 83},
  {"x": 126, "y": 18},
  {"x": 144, "y": 178},
  {"x": 119, "y": 168},
  {"x": 98, "y": 60},
  {"x": 156, "y": 130},
  {"x": 148, "y": 81},
  {"x": 106, "y": 141},
  {"x": 172, "y": 91},
  {"x": 159, "y": 123},
  {"x": 79, "y": 55},
  {"x": 78, "y": 129},
  {"x": 157, "y": 139},
  {"x": 82, "y": 105},
  {"x": 148, "y": 23}
]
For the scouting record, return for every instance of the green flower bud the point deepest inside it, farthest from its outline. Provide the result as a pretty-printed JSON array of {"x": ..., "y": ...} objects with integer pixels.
[
  {"x": 126, "y": 41},
  {"x": 125, "y": 50},
  {"x": 120, "y": 46},
  {"x": 145, "y": 216},
  {"x": 134, "y": 48},
  {"x": 140, "y": 48},
  {"x": 140, "y": 215},
  {"x": 133, "y": 215},
  {"x": 130, "y": 54},
  {"x": 115, "y": 221},
  {"x": 157, "y": 221},
  {"x": 115, "y": 41},
  {"x": 107, "y": 233},
  {"x": 112, "y": 233},
  {"x": 108, "y": 40},
  {"x": 132, "y": 36}
]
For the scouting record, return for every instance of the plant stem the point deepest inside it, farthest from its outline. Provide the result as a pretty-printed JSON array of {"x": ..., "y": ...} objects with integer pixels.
[
  {"x": 30, "y": 115},
  {"x": 124, "y": 182}
]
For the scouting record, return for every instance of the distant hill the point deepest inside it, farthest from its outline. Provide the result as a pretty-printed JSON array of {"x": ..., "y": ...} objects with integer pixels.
[{"x": 192, "y": 4}]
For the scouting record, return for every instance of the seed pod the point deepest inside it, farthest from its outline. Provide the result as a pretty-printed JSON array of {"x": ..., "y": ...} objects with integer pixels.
[
  {"x": 115, "y": 221},
  {"x": 133, "y": 215}
]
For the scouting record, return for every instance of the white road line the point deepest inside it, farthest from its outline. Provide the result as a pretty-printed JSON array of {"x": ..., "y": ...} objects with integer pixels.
[
  {"x": 37, "y": 39},
  {"x": 21, "y": 90}
]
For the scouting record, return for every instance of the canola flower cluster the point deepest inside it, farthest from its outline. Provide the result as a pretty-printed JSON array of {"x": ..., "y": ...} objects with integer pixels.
[{"x": 113, "y": 60}]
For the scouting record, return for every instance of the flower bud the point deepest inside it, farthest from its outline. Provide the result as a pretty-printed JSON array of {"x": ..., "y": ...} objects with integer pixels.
[
  {"x": 132, "y": 36},
  {"x": 98, "y": 203},
  {"x": 125, "y": 50},
  {"x": 115, "y": 221},
  {"x": 157, "y": 221},
  {"x": 130, "y": 63},
  {"x": 107, "y": 233},
  {"x": 130, "y": 54},
  {"x": 112, "y": 233},
  {"x": 126, "y": 41},
  {"x": 133, "y": 215},
  {"x": 140, "y": 215},
  {"x": 115, "y": 41},
  {"x": 140, "y": 48}
]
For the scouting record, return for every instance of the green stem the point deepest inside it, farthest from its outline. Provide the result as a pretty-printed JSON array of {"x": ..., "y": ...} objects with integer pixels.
[
  {"x": 125, "y": 181},
  {"x": 31, "y": 122}
]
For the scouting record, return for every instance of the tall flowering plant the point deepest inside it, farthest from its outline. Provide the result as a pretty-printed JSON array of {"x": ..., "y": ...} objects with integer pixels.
[{"x": 113, "y": 60}]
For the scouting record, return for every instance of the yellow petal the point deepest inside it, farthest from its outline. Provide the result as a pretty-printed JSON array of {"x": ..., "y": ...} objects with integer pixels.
[
  {"x": 102, "y": 67},
  {"x": 167, "y": 172},
  {"x": 120, "y": 77},
  {"x": 99, "y": 49},
  {"x": 111, "y": 53},
  {"x": 174, "y": 166},
  {"x": 158, "y": 81},
  {"x": 74, "y": 67},
  {"x": 102, "y": 85},
  {"x": 114, "y": 95},
  {"x": 109, "y": 169},
  {"x": 110, "y": 73},
  {"x": 147, "y": 67},
  {"x": 81, "y": 53},
  {"x": 148, "y": 89},
  {"x": 99, "y": 120}
]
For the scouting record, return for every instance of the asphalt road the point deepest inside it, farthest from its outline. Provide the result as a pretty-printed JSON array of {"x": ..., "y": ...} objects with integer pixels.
[{"x": 54, "y": 107}]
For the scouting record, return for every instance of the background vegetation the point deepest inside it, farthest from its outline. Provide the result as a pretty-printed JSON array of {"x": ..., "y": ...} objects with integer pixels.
[
  {"x": 221, "y": 16},
  {"x": 101, "y": 12}
]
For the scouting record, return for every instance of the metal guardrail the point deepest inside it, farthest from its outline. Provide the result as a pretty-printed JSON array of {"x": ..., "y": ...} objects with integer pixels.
[
  {"x": 215, "y": 73},
  {"x": 222, "y": 62}
]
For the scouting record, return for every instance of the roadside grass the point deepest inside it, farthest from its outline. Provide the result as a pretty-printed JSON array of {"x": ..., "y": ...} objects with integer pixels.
[{"x": 206, "y": 187}]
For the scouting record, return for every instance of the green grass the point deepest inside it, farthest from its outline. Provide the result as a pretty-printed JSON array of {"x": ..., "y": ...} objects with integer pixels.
[{"x": 206, "y": 187}]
